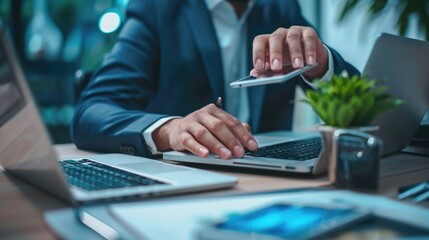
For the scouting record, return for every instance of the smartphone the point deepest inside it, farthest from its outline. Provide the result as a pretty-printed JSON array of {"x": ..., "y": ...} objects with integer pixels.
[
  {"x": 269, "y": 77},
  {"x": 284, "y": 221}
]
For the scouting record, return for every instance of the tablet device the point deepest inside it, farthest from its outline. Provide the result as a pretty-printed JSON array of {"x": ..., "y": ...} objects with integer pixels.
[
  {"x": 283, "y": 221},
  {"x": 268, "y": 77}
]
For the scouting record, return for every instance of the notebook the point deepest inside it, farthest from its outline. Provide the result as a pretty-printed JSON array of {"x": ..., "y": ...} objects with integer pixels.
[
  {"x": 400, "y": 62},
  {"x": 26, "y": 152}
]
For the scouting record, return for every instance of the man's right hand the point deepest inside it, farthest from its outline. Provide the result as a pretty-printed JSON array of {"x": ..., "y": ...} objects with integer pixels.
[{"x": 209, "y": 129}]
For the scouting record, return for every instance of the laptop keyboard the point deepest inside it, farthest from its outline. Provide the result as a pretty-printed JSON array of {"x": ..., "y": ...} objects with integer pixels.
[
  {"x": 296, "y": 150},
  {"x": 91, "y": 176}
]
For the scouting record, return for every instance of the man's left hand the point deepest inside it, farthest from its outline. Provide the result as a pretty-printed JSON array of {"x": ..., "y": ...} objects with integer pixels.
[{"x": 290, "y": 46}]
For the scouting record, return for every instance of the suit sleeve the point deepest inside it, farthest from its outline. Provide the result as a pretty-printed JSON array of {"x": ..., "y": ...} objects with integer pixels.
[{"x": 110, "y": 115}]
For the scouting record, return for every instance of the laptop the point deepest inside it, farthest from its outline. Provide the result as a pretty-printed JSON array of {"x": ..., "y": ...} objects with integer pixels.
[
  {"x": 400, "y": 62},
  {"x": 26, "y": 152}
]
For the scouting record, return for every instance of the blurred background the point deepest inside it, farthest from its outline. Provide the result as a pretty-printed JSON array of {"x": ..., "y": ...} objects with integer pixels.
[{"x": 55, "y": 38}]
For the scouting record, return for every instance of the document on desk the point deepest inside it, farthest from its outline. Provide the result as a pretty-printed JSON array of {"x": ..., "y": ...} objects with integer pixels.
[{"x": 180, "y": 219}]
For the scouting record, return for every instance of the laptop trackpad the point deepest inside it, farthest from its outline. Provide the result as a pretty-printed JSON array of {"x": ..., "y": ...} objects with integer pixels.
[{"x": 152, "y": 167}]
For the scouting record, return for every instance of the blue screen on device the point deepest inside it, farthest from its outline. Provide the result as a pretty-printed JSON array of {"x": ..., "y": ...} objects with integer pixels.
[{"x": 282, "y": 220}]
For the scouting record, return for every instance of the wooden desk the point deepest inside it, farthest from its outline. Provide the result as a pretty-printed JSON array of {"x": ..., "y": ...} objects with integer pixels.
[{"x": 22, "y": 206}]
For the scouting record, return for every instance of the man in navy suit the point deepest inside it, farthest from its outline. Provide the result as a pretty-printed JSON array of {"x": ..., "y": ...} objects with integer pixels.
[{"x": 173, "y": 59}]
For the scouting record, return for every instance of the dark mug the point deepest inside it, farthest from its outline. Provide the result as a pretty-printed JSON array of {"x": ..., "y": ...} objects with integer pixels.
[{"x": 358, "y": 159}]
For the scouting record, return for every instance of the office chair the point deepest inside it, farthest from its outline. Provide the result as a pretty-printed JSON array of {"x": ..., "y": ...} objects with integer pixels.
[{"x": 81, "y": 80}]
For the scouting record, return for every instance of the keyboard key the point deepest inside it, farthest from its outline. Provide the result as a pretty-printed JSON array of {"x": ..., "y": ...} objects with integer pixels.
[
  {"x": 91, "y": 176},
  {"x": 297, "y": 150}
]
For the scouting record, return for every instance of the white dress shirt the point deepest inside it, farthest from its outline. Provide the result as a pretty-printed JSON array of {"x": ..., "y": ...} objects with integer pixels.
[{"x": 231, "y": 33}]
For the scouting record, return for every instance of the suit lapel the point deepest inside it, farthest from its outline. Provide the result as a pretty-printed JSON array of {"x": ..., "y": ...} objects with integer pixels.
[
  {"x": 200, "y": 21},
  {"x": 255, "y": 26},
  {"x": 202, "y": 28}
]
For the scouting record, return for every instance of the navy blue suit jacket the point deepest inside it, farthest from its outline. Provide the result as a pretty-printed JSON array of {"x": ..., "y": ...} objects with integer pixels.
[{"x": 167, "y": 62}]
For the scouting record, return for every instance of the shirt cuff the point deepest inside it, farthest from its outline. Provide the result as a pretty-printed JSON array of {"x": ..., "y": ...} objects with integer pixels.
[
  {"x": 147, "y": 134},
  {"x": 328, "y": 75}
]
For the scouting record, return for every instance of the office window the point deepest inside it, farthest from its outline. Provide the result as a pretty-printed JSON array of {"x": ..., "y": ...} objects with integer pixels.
[{"x": 55, "y": 38}]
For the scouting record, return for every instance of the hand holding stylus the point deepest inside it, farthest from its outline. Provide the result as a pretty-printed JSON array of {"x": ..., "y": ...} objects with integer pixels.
[{"x": 209, "y": 129}]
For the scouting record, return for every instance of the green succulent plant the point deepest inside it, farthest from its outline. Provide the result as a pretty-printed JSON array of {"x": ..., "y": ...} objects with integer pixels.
[{"x": 350, "y": 101}]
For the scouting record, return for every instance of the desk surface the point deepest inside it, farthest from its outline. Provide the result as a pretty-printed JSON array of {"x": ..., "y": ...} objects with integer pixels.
[{"x": 22, "y": 206}]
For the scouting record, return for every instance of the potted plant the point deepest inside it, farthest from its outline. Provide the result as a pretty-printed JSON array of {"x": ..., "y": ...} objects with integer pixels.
[{"x": 347, "y": 103}]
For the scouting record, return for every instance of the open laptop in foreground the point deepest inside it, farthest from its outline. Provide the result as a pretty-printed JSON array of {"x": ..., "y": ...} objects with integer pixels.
[
  {"x": 26, "y": 152},
  {"x": 401, "y": 63}
]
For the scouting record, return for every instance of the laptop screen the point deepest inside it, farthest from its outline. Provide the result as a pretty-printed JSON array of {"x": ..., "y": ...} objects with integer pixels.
[
  {"x": 10, "y": 95},
  {"x": 25, "y": 148},
  {"x": 402, "y": 64}
]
